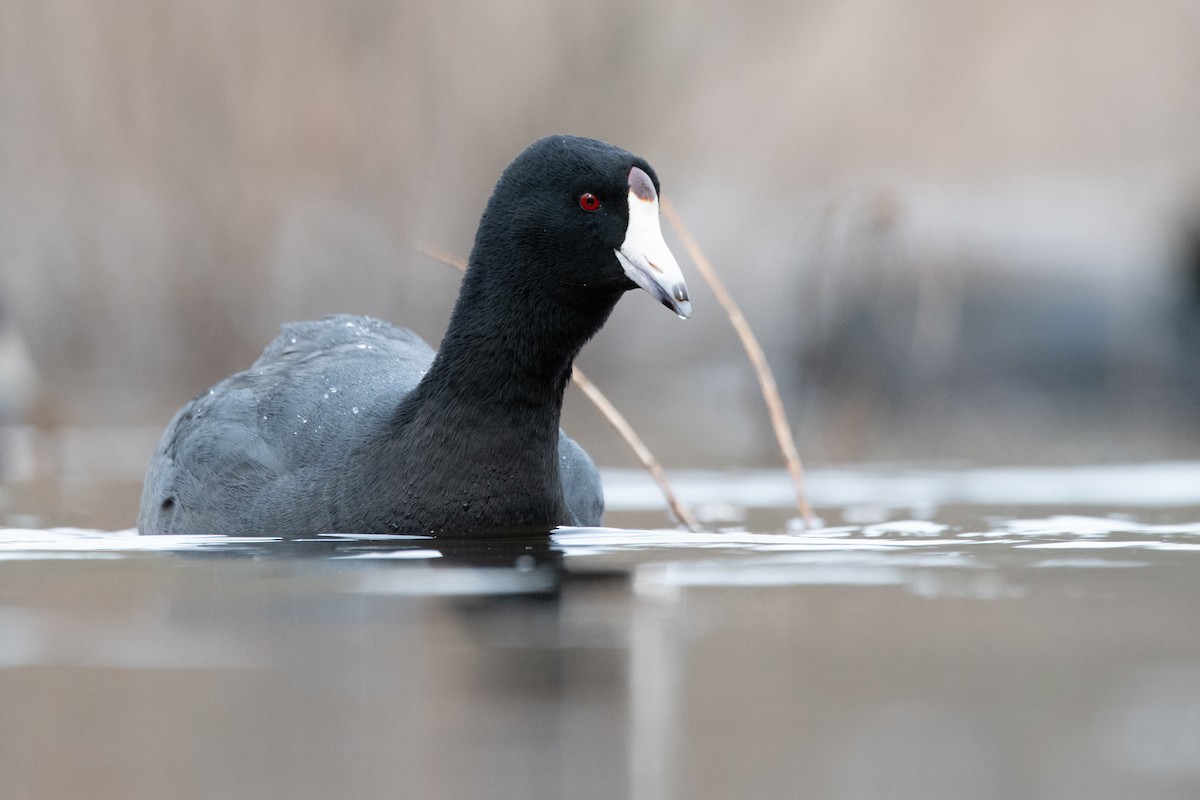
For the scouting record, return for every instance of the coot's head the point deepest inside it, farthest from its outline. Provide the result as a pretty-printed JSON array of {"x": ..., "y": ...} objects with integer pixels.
[{"x": 583, "y": 217}]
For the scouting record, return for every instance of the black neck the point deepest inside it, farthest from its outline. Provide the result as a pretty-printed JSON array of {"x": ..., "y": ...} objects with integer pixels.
[
  {"x": 513, "y": 348},
  {"x": 486, "y": 416}
]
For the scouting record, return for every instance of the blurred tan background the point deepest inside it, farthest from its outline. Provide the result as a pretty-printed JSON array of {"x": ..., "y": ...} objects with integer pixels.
[{"x": 961, "y": 230}]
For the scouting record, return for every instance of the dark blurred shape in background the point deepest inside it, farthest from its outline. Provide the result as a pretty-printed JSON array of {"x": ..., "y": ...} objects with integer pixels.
[{"x": 962, "y": 230}]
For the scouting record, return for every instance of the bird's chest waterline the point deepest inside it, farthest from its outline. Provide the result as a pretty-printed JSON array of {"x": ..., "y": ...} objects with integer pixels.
[{"x": 450, "y": 479}]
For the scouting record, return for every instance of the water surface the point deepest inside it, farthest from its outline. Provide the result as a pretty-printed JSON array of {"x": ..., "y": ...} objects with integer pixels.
[{"x": 947, "y": 633}]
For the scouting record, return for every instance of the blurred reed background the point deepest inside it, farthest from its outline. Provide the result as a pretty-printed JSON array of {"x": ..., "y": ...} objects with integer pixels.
[{"x": 961, "y": 230}]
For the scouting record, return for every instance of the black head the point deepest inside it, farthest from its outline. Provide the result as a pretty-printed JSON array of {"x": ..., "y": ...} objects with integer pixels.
[{"x": 579, "y": 217}]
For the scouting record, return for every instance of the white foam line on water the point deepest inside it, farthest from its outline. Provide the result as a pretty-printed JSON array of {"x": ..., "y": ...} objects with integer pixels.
[
  {"x": 906, "y": 527},
  {"x": 1085, "y": 544},
  {"x": 408, "y": 555},
  {"x": 1157, "y": 484},
  {"x": 28, "y": 544},
  {"x": 48, "y": 555},
  {"x": 579, "y": 541},
  {"x": 1079, "y": 526},
  {"x": 77, "y": 540}
]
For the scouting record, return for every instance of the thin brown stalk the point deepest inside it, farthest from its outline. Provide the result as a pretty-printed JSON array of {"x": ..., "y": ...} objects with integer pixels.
[
  {"x": 766, "y": 380},
  {"x": 615, "y": 418}
]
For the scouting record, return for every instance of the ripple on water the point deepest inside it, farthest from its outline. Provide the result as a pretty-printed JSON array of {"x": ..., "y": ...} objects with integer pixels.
[{"x": 959, "y": 554}]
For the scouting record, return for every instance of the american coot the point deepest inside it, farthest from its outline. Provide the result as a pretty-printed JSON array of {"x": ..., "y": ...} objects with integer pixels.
[{"x": 351, "y": 425}]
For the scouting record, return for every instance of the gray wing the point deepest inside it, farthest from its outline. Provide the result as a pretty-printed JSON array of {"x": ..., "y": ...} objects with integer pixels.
[
  {"x": 581, "y": 483},
  {"x": 260, "y": 440}
]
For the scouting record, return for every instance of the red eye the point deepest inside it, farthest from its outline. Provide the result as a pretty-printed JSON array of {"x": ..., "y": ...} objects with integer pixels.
[{"x": 589, "y": 202}]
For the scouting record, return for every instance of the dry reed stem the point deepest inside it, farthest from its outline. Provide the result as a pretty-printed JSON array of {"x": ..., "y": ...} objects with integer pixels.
[
  {"x": 614, "y": 417},
  {"x": 766, "y": 380}
]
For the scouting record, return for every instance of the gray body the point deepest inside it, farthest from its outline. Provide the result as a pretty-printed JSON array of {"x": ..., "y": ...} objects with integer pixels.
[{"x": 268, "y": 449}]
